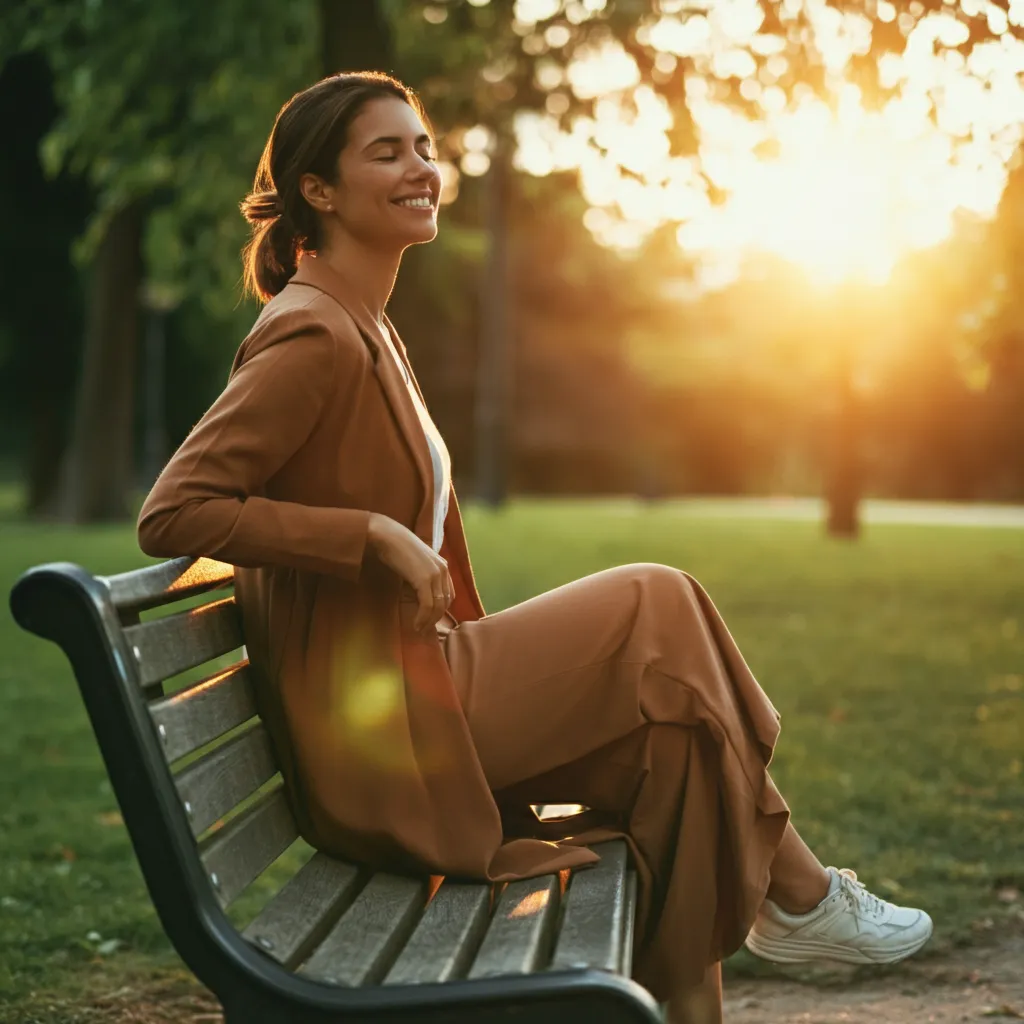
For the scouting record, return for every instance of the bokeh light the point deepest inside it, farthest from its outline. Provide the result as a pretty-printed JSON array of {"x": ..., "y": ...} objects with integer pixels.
[{"x": 849, "y": 187}]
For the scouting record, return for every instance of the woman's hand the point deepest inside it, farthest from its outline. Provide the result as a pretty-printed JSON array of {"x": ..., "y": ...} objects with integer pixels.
[{"x": 416, "y": 563}]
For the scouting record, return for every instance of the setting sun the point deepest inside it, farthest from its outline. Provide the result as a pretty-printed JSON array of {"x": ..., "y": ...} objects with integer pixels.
[
  {"x": 848, "y": 193},
  {"x": 851, "y": 187}
]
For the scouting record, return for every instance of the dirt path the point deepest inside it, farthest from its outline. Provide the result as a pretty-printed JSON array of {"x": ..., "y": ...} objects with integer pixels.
[
  {"x": 981, "y": 983},
  {"x": 915, "y": 513}
]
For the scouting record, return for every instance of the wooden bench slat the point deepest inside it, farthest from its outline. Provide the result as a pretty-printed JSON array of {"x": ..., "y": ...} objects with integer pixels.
[
  {"x": 447, "y": 937},
  {"x": 292, "y": 924},
  {"x": 164, "y": 647},
  {"x": 175, "y": 580},
  {"x": 191, "y": 718},
  {"x": 223, "y": 778},
  {"x": 628, "y": 922},
  {"x": 361, "y": 947},
  {"x": 595, "y": 905},
  {"x": 519, "y": 938},
  {"x": 248, "y": 844}
]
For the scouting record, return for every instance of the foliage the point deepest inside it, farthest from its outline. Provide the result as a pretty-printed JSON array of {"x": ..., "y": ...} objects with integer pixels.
[
  {"x": 170, "y": 103},
  {"x": 485, "y": 60}
]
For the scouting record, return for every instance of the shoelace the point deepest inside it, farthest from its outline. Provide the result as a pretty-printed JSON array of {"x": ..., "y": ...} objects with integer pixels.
[{"x": 857, "y": 895}]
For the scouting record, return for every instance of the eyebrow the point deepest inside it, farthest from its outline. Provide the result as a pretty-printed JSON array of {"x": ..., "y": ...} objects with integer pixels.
[{"x": 396, "y": 140}]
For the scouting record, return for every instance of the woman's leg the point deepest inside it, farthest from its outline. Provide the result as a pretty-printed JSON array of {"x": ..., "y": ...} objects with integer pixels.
[
  {"x": 799, "y": 881},
  {"x": 626, "y": 689},
  {"x": 701, "y": 1004}
]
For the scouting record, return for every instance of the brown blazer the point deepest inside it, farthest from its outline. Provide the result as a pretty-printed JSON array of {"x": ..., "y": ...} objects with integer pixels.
[{"x": 314, "y": 430}]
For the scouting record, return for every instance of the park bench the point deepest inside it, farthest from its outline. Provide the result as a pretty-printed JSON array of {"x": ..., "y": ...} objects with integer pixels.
[{"x": 194, "y": 773}]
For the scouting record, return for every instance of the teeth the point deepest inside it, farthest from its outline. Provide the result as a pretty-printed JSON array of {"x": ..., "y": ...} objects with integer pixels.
[{"x": 422, "y": 201}]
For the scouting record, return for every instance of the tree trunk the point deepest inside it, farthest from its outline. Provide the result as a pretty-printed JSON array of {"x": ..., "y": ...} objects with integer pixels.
[
  {"x": 154, "y": 436},
  {"x": 843, "y": 488},
  {"x": 39, "y": 296},
  {"x": 46, "y": 443},
  {"x": 354, "y": 36},
  {"x": 493, "y": 364},
  {"x": 97, "y": 475}
]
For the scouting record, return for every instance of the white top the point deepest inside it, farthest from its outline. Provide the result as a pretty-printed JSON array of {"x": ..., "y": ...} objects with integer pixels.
[{"x": 439, "y": 457}]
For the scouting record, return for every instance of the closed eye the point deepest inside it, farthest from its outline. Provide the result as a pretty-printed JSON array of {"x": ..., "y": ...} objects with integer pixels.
[{"x": 390, "y": 157}]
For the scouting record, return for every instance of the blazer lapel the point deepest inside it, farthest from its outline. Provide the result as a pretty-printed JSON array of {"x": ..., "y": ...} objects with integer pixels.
[{"x": 312, "y": 272}]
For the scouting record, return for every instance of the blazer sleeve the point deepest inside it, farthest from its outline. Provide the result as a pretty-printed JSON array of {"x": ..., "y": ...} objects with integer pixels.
[{"x": 208, "y": 499}]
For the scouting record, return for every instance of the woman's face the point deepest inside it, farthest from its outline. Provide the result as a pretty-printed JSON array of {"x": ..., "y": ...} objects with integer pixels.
[{"x": 388, "y": 183}]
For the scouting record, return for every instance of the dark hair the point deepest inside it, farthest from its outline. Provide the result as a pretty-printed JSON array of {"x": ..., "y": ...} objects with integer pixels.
[{"x": 309, "y": 132}]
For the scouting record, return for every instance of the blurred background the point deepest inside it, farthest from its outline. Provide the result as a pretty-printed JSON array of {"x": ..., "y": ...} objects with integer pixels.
[
  {"x": 733, "y": 285},
  {"x": 687, "y": 248}
]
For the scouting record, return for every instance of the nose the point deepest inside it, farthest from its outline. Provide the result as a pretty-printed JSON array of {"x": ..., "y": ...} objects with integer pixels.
[{"x": 423, "y": 169}]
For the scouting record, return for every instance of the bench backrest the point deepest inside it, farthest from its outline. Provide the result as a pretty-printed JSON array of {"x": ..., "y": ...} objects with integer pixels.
[
  {"x": 218, "y": 750},
  {"x": 191, "y": 764}
]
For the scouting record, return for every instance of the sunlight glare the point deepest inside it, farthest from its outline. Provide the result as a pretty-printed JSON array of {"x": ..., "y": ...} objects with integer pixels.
[
  {"x": 847, "y": 191},
  {"x": 531, "y": 904}
]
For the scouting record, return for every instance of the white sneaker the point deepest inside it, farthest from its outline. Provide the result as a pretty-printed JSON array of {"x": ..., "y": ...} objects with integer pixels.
[{"x": 849, "y": 925}]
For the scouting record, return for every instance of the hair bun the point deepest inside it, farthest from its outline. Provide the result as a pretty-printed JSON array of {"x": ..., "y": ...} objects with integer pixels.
[{"x": 258, "y": 207}]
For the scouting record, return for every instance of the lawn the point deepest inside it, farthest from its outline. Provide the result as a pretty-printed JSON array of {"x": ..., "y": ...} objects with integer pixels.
[{"x": 897, "y": 663}]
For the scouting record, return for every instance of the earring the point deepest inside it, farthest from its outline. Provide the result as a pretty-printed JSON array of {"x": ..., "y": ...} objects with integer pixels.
[{"x": 330, "y": 206}]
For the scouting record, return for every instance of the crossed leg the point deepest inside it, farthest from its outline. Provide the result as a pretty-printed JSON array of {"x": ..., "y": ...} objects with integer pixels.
[{"x": 624, "y": 691}]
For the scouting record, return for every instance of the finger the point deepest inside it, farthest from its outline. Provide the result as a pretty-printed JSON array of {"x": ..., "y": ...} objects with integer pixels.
[
  {"x": 439, "y": 601},
  {"x": 425, "y": 608},
  {"x": 450, "y": 592},
  {"x": 427, "y": 613}
]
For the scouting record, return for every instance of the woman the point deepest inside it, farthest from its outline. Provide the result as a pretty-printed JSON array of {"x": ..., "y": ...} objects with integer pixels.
[{"x": 414, "y": 729}]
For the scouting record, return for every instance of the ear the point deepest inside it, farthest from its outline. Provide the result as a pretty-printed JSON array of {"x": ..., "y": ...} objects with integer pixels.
[{"x": 317, "y": 192}]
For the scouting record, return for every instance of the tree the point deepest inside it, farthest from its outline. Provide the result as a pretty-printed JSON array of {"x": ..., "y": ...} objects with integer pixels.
[
  {"x": 39, "y": 292},
  {"x": 98, "y": 470},
  {"x": 355, "y": 36},
  {"x": 157, "y": 117}
]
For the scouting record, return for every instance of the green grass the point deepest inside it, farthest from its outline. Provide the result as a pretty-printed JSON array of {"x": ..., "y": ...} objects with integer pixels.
[{"x": 897, "y": 663}]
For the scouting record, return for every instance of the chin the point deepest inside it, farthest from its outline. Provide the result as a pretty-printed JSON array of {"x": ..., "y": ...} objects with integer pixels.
[{"x": 420, "y": 237}]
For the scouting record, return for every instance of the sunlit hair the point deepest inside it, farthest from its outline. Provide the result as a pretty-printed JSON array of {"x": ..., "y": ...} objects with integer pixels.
[{"x": 309, "y": 133}]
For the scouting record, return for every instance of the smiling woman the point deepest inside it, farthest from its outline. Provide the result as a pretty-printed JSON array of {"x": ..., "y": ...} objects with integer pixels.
[{"x": 412, "y": 728}]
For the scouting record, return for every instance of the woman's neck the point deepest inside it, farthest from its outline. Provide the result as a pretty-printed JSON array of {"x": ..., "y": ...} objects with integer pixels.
[{"x": 371, "y": 271}]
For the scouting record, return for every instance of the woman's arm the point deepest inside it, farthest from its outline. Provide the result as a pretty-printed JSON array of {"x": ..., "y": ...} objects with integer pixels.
[{"x": 206, "y": 500}]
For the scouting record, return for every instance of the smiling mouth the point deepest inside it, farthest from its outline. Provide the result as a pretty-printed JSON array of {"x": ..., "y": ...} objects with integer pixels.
[{"x": 419, "y": 203}]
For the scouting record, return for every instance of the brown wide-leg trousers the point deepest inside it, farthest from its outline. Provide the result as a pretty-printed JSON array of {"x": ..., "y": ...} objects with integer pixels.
[{"x": 624, "y": 691}]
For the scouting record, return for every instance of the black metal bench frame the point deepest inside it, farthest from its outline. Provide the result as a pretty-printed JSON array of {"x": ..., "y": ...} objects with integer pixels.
[{"x": 96, "y": 621}]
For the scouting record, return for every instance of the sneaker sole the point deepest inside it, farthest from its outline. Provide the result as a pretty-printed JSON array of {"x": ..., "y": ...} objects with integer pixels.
[{"x": 788, "y": 951}]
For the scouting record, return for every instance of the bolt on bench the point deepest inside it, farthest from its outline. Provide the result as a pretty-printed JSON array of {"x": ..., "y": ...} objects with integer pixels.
[{"x": 195, "y": 776}]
